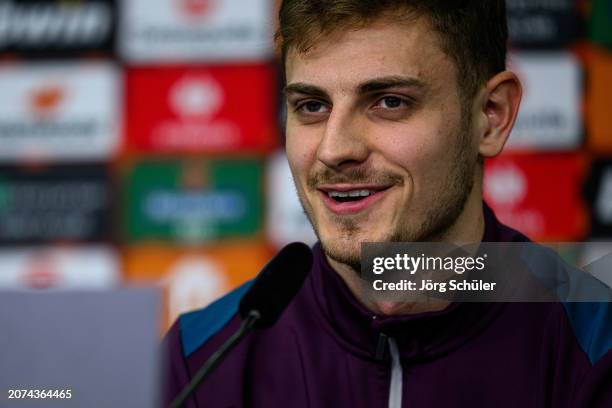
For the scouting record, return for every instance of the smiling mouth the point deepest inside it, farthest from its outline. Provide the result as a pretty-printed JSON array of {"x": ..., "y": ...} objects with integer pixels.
[
  {"x": 346, "y": 199},
  {"x": 350, "y": 196}
]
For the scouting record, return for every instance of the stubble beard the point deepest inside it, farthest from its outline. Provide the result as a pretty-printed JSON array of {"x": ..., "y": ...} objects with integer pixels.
[{"x": 439, "y": 218}]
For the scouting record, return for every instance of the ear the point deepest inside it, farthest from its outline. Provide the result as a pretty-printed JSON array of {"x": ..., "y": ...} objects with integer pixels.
[{"x": 502, "y": 98}]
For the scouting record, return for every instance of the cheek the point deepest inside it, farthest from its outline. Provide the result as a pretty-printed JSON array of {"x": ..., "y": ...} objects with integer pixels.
[
  {"x": 301, "y": 152},
  {"x": 425, "y": 154},
  {"x": 415, "y": 148}
]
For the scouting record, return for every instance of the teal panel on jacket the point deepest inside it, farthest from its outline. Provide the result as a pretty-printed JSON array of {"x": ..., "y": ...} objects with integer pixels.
[
  {"x": 200, "y": 325},
  {"x": 592, "y": 324}
]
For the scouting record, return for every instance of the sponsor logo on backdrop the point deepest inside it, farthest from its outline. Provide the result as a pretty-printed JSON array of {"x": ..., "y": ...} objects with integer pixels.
[
  {"x": 506, "y": 188},
  {"x": 195, "y": 101},
  {"x": 506, "y": 185},
  {"x": 217, "y": 109},
  {"x": 549, "y": 117},
  {"x": 59, "y": 267},
  {"x": 542, "y": 24},
  {"x": 45, "y": 100},
  {"x": 56, "y": 27},
  {"x": 196, "y": 96},
  {"x": 163, "y": 30},
  {"x": 41, "y": 272},
  {"x": 520, "y": 191},
  {"x": 67, "y": 203},
  {"x": 196, "y": 9},
  {"x": 194, "y": 276},
  {"x": 194, "y": 207},
  {"x": 194, "y": 201},
  {"x": 193, "y": 282},
  {"x": 59, "y": 112}
]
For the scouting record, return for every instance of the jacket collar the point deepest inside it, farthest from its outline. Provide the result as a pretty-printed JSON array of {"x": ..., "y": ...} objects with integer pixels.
[{"x": 420, "y": 336}]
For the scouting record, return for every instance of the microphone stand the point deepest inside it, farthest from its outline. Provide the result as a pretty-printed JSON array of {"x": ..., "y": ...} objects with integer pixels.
[{"x": 216, "y": 358}]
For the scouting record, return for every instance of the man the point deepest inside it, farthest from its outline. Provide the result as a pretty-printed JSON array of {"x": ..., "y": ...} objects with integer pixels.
[{"x": 392, "y": 107}]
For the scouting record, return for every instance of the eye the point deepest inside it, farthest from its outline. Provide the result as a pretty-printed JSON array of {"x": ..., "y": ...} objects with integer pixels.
[
  {"x": 312, "y": 107},
  {"x": 390, "y": 102}
]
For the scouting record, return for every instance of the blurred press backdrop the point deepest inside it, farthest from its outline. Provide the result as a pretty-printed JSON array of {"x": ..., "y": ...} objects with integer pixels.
[{"x": 140, "y": 141}]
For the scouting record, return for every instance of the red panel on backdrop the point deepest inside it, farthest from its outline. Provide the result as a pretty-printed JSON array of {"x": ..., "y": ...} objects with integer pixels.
[
  {"x": 539, "y": 194},
  {"x": 216, "y": 109}
]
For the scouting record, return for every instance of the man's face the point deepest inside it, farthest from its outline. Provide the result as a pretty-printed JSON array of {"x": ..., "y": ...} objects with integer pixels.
[{"x": 375, "y": 137}]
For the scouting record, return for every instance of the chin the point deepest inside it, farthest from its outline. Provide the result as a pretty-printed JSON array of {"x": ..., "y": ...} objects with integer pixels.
[
  {"x": 341, "y": 252},
  {"x": 346, "y": 247}
]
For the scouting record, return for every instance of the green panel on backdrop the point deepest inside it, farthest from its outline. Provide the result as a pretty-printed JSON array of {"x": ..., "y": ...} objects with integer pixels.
[
  {"x": 601, "y": 22},
  {"x": 193, "y": 200},
  {"x": 4, "y": 194}
]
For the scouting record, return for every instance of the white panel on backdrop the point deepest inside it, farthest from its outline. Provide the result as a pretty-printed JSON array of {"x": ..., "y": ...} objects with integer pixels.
[
  {"x": 550, "y": 113},
  {"x": 59, "y": 111},
  {"x": 286, "y": 221},
  {"x": 195, "y": 30},
  {"x": 58, "y": 267},
  {"x": 603, "y": 201}
]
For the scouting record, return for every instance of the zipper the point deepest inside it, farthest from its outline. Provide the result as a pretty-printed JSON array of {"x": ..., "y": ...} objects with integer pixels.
[
  {"x": 395, "y": 388},
  {"x": 381, "y": 347}
]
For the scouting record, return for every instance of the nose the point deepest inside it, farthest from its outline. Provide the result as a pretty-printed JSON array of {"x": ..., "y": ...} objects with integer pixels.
[{"x": 344, "y": 142}]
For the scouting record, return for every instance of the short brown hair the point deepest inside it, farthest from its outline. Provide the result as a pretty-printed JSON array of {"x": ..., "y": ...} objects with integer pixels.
[{"x": 474, "y": 33}]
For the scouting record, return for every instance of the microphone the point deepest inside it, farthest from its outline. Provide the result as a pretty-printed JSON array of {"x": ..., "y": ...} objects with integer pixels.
[
  {"x": 277, "y": 283},
  {"x": 270, "y": 294}
]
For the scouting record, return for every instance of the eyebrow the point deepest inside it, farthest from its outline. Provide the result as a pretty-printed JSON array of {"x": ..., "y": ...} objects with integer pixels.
[
  {"x": 373, "y": 85},
  {"x": 302, "y": 88},
  {"x": 380, "y": 84}
]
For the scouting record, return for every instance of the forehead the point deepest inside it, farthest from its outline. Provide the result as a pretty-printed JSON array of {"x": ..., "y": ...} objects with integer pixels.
[{"x": 386, "y": 47}]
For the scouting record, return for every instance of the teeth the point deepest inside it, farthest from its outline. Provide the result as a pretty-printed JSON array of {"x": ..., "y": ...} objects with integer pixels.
[
  {"x": 353, "y": 193},
  {"x": 340, "y": 194}
]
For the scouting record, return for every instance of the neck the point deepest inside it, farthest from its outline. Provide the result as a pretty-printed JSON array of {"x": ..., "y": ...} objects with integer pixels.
[{"x": 468, "y": 228}]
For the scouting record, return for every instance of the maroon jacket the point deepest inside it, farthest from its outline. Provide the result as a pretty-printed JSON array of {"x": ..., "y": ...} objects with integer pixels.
[{"x": 329, "y": 351}]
